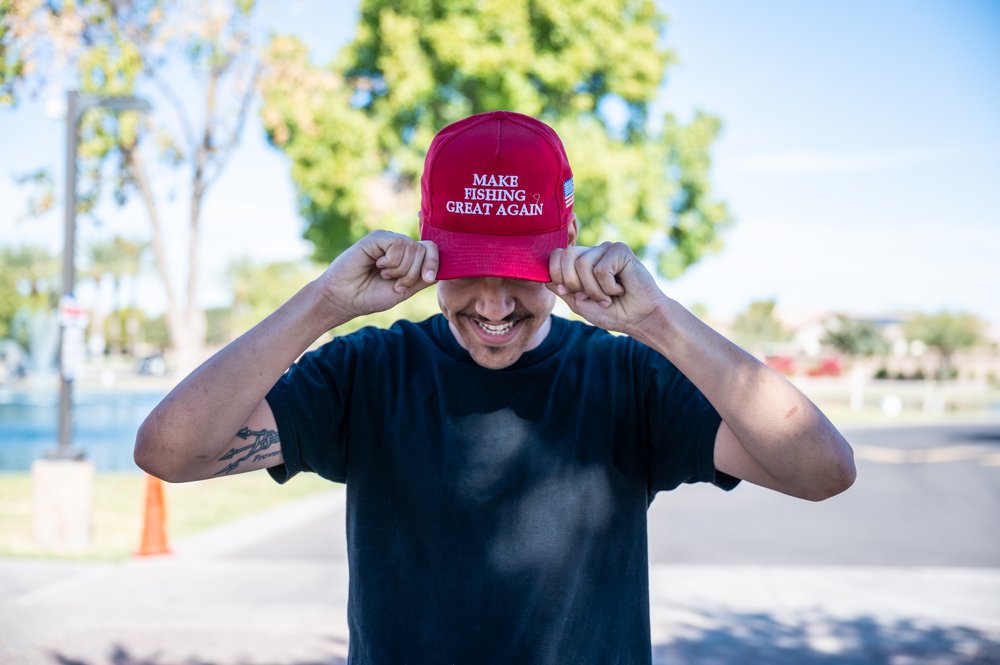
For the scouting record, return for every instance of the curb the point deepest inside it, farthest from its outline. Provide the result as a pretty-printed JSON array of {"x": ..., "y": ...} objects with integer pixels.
[{"x": 252, "y": 529}]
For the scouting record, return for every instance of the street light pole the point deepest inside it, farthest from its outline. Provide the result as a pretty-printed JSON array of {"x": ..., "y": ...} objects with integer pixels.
[
  {"x": 70, "y": 313},
  {"x": 65, "y": 450},
  {"x": 63, "y": 480}
]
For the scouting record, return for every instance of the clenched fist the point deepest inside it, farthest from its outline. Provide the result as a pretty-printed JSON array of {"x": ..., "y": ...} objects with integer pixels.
[
  {"x": 607, "y": 285},
  {"x": 378, "y": 272}
]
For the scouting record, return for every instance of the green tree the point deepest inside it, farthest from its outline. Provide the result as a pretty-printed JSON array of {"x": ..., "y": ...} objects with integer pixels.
[
  {"x": 219, "y": 331},
  {"x": 120, "y": 48},
  {"x": 356, "y": 130},
  {"x": 948, "y": 333},
  {"x": 29, "y": 278},
  {"x": 757, "y": 327},
  {"x": 116, "y": 258},
  {"x": 859, "y": 341},
  {"x": 260, "y": 288},
  {"x": 119, "y": 258},
  {"x": 10, "y": 302},
  {"x": 34, "y": 271},
  {"x": 854, "y": 338},
  {"x": 12, "y": 62}
]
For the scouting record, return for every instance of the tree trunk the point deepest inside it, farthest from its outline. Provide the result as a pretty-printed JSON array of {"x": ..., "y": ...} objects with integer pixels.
[
  {"x": 186, "y": 322},
  {"x": 187, "y": 333}
]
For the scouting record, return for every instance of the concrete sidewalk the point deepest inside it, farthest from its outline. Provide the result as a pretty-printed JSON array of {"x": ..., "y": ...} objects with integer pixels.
[{"x": 209, "y": 603}]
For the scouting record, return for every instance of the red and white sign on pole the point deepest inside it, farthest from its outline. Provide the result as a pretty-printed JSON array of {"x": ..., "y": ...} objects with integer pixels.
[{"x": 73, "y": 319}]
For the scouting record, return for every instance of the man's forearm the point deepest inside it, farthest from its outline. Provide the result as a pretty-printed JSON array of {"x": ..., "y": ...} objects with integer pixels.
[
  {"x": 201, "y": 415},
  {"x": 778, "y": 426}
]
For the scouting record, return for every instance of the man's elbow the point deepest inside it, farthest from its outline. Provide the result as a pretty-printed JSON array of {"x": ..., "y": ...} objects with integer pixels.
[
  {"x": 837, "y": 479},
  {"x": 149, "y": 456}
]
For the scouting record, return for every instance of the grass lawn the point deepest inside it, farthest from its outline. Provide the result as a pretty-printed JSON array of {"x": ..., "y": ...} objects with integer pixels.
[{"x": 119, "y": 503}]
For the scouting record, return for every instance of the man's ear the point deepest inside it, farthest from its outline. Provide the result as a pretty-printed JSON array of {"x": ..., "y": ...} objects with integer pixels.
[{"x": 572, "y": 230}]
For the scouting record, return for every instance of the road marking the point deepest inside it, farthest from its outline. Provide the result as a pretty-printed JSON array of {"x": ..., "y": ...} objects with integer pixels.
[{"x": 985, "y": 455}]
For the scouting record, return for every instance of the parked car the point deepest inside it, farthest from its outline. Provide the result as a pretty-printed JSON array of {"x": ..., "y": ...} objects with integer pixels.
[
  {"x": 827, "y": 367},
  {"x": 782, "y": 364}
]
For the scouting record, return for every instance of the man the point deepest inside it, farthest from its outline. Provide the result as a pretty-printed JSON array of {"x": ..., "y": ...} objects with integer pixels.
[{"x": 498, "y": 460}]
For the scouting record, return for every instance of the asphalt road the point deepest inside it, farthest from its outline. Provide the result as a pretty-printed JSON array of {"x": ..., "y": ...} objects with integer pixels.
[{"x": 925, "y": 496}]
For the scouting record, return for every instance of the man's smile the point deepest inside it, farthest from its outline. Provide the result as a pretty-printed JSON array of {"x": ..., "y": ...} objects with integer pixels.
[{"x": 497, "y": 332}]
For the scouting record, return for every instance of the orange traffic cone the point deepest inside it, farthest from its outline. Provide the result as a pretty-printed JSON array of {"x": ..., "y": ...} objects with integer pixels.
[{"x": 154, "y": 523}]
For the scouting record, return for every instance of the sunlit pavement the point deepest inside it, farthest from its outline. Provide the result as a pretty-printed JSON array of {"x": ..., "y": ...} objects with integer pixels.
[
  {"x": 191, "y": 610},
  {"x": 198, "y": 605},
  {"x": 273, "y": 588},
  {"x": 180, "y": 610},
  {"x": 817, "y": 614}
]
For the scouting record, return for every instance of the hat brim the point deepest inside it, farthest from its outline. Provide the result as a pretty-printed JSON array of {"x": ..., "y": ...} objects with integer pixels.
[{"x": 478, "y": 255}]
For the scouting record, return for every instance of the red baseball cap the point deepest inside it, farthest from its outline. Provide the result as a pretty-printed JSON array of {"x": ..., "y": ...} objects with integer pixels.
[{"x": 496, "y": 197}]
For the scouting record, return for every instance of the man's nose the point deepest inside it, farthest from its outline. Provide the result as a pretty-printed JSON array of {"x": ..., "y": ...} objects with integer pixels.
[{"x": 495, "y": 300}]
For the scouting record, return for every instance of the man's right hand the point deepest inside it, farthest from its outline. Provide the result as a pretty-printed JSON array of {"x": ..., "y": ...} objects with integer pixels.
[
  {"x": 210, "y": 420},
  {"x": 377, "y": 273}
]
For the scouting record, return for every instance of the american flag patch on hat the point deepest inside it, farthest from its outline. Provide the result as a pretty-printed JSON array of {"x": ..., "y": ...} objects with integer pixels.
[{"x": 568, "y": 192}]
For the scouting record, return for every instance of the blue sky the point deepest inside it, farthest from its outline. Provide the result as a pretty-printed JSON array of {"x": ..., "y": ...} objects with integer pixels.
[{"x": 860, "y": 156}]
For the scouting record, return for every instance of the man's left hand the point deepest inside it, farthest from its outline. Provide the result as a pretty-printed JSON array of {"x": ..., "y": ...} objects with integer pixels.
[{"x": 607, "y": 285}]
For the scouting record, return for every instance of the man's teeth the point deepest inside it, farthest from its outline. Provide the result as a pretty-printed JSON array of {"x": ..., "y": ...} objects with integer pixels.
[{"x": 495, "y": 329}]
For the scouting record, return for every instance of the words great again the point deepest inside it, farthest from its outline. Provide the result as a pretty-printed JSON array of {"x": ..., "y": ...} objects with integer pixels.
[
  {"x": 466, "y": 208},
  {"x": 495, "y": 195}
]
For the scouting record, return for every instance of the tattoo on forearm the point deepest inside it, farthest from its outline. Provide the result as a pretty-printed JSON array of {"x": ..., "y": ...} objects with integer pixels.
[{"x": 262, "y": 439}]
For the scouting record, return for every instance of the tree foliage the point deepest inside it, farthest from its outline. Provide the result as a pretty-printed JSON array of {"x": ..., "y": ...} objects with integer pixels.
[
  {"x": 357, "y": 129},
  {"x": 260, "y": 288},
  {"x": 946, "y": 331},
  {"x": 12, "y": 57},
  {"x": 758, "y": 326},
  {"x": 29, "y": 278},
  {"x": 194, "y": 60},
  {"x": 855, "y": 338},
  {"x": 118, "y": 257}
]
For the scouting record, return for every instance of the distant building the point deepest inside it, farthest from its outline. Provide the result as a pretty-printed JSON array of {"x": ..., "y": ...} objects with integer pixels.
[{"x": 806, "y": 353}]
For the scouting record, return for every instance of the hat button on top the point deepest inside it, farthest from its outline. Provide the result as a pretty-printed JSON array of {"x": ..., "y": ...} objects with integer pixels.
[{"x": 499, "y": 114}]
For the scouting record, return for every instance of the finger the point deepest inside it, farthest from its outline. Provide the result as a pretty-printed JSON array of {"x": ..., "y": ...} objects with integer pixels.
[
  {"x": 432, "y": 262},
  {"x": 385, "y": 248},
  {"x": 566, "y": 297},
  {"x": 412, "y": 276},
  {"x": 555, "y": 272},
  {"x": 389, "y": 257},
  {"x": 400, "y": 256},
  {"x": 588, "y": 280},
  {"x": 567, "y": 263},
  {"x": 607, "y": 269}
]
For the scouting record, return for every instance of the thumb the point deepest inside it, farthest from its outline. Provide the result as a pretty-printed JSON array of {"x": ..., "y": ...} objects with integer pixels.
[{"x": 567, "y": 297}]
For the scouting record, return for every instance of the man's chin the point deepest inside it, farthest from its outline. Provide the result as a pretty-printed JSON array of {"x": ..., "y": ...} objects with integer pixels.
[
  {"x": 495, "y": 352},
  {"x": 494, "y": 357}
]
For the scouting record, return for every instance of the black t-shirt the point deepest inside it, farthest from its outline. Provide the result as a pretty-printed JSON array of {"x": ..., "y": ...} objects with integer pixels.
[{"x": 495, "y": 516}]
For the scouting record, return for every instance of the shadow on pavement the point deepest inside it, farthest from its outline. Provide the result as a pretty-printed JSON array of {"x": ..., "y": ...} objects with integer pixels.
[
  {"x": 120, "y": 655},
  {"x": 983, "y": 436},
  {"x": 727, "y": 638}
]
